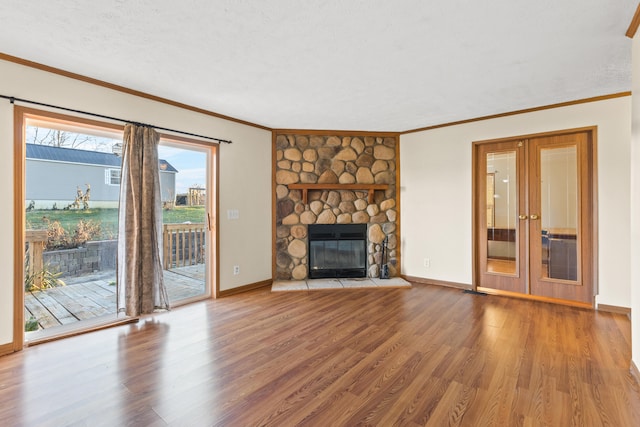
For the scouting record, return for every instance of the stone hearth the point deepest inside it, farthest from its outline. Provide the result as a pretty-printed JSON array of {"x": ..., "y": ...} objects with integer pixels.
[
  {"x": 336, "y": 161},
  {"x": 321, "y": 284}
]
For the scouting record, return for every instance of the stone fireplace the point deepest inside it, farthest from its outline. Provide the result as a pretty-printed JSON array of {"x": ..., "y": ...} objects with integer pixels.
[{"x": 334, "y": 179}]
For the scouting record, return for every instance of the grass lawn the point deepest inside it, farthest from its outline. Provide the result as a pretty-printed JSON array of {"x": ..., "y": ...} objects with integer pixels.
[{"x": 107, "y": 218}]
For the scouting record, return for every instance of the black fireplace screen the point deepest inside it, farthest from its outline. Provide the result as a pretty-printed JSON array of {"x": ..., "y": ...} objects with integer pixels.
[{"x": 337, "y": 250}]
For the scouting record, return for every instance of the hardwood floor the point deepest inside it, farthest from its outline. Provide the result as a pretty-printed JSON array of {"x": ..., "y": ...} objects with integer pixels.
[{"x": 409, "y": 357}]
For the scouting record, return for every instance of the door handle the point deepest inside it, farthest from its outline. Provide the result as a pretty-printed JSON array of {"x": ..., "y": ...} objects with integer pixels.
[
  {"x": 534, "y": 216},
  {"x": 209, "y": 221},
  {"x": 522, "y": 216}
]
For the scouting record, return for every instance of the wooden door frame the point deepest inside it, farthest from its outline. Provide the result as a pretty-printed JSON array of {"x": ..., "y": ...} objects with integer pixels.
[{"x": 592, "y": 132}]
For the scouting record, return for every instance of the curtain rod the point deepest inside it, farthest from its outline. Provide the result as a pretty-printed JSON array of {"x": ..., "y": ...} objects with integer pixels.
[{"x": 13, "y": 99}]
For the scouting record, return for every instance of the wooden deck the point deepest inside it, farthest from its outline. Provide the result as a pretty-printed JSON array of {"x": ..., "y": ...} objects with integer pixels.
[{"x": 92, "y": 296}]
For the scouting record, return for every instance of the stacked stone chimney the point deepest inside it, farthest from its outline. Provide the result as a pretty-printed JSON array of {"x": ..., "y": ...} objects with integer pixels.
[{"x": 333, "y": 159}]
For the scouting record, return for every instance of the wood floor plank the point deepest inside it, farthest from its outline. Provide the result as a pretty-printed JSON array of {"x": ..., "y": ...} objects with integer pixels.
[
  {"x": 426, "y": 355},
  {"x": 53, "y": 306},
  {"x": 39, "y": 311},
  {"x": 77, "y": 301}
]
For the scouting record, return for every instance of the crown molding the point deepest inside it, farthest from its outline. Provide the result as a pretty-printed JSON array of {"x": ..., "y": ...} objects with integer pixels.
[
  {"x": 635, "y": 22},
  {"x": 335, "y": 132},
  {"x": 527, "y": 110}
]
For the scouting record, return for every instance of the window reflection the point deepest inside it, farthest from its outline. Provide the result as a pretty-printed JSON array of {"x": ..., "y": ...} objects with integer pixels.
[{"x": 501, "y": 212}]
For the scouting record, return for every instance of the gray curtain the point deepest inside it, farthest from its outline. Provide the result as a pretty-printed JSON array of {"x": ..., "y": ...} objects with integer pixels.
[{"x": 140, "y": 282}]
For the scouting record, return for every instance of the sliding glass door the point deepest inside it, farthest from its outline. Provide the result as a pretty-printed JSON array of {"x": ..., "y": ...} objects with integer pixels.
[
  {"x": 71, "y": 184},
  {"x": 68, "y": 187},
  {"x": 188, "y": 220}
]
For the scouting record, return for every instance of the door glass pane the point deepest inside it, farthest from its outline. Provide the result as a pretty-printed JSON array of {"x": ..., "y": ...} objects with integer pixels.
[
  {"x": 559, "y": 212},
  {"x": 72, "y": 185},
  {"x": 501, "y": 215},
  {"x": 183, "y": 187}
]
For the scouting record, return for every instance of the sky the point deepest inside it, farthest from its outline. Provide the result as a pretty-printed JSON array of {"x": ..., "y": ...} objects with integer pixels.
[{"x": 191, "y": 165}]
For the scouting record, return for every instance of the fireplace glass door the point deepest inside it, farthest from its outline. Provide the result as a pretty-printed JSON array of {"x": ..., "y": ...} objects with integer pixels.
[{"x": 337, "y": 251}]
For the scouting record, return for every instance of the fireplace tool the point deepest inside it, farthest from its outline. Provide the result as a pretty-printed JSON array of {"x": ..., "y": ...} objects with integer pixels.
[{"x": 384, "y": 267}]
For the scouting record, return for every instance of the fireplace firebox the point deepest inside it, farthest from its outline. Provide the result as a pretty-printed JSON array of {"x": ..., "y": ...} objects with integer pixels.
[{"x": 337, "y": 250}]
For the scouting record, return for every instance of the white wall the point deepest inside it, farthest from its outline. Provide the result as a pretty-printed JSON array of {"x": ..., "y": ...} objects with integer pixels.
[
  {"x": 245, "y": 171},
  {"x": 436, "y": 193},
  {"x": 635, "y": 206}
]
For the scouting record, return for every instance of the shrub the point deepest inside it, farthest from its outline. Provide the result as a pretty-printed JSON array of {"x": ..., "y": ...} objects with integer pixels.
[
  {"x": 59, "y": 238},
  {"x": 31, "y": 324},
  {"x": 85, "y": 231},
  {"x": 39, "y": 280}
]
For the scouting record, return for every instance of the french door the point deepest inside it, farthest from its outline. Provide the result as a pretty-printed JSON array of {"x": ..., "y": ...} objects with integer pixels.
[{"x": 534, "y": 216}]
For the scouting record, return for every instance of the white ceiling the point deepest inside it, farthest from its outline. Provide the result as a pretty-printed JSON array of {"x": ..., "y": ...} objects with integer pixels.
[{"x": 335, "y": 64}]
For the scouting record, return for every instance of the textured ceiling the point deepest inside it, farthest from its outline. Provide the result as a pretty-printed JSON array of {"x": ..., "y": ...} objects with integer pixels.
[{"x": 335, "y": 64}]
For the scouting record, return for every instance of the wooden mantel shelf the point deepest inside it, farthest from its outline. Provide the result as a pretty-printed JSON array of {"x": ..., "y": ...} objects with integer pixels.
[{"x": 369, "y": 188}]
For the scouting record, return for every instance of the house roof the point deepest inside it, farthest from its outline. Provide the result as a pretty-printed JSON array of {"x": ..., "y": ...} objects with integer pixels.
[
  {"x": 72, "y": 155},
  {"x": 335, "y": 64}
]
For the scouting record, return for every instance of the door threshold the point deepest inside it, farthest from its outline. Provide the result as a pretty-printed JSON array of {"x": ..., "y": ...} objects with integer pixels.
[
  {"x": 471, "y": 291},
  {"x": 502, "y": 293},
  {"x": 77, "y": 328}
]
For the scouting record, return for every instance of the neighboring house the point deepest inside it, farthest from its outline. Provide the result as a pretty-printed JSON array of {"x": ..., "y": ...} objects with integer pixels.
[{"x": 53, "y": 176}]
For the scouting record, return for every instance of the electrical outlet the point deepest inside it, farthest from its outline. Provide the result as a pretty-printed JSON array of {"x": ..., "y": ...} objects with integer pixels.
[
  {"x": 233, "y": 214},
  {"x": 236, "y": 270},
  {"x": 427, "y": 262}
]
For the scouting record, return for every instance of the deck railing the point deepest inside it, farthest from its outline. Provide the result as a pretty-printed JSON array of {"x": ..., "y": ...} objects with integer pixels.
[
  {"x": 35, "y": 241},
  {"x": 183, "y": 244}
]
